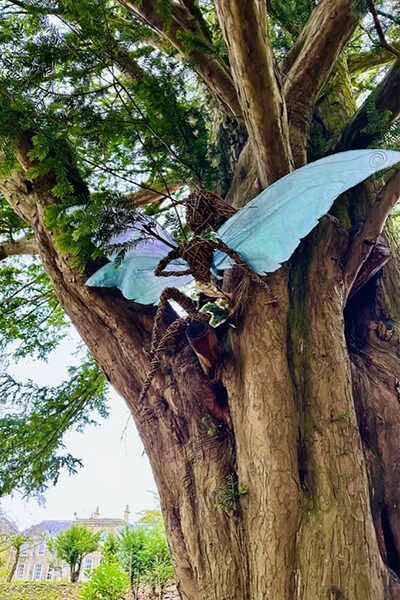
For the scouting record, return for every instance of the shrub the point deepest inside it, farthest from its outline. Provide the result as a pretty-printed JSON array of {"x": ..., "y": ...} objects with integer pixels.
[{"x": 108, "y": 582}]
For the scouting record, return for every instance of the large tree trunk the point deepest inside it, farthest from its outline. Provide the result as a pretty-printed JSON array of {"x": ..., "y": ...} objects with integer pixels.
[
  {"x": 303, "y": 528},
  {"x": 298, "y": 497}
]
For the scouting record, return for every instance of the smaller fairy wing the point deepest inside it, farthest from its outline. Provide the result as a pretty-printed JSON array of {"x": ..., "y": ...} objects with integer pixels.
[
  {"x": 134, "y": 276},
  {"x": 269, "y": 228}
]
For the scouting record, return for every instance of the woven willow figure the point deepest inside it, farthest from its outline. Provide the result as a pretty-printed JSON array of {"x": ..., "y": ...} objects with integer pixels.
[{"x": 257, "y": 238}]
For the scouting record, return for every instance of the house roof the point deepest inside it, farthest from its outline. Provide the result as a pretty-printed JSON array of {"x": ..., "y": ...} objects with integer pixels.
[
  {"x": 54, "y": 527},
  {"x": 49, "y": 527}
]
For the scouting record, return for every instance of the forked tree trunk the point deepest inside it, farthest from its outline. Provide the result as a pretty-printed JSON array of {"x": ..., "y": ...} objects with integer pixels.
[{"x": 301, "y": 524}]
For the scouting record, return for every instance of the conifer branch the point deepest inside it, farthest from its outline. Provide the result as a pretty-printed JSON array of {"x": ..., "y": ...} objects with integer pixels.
[
  {"x": 384, "y": 102},
  {"x": 361, "y": 62},
  {"x": 184, "y": 32}
]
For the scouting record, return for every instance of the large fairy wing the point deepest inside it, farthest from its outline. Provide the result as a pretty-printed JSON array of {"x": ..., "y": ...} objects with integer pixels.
[
  {"x": 269, "y": 228},
  {"x": 135, "y": 275}
]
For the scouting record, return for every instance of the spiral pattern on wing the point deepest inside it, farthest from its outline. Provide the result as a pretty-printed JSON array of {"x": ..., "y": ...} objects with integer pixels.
[{"x": 378, "y": 158}]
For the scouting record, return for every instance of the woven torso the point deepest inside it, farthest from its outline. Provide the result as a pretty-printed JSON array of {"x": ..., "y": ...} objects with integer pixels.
[
  {"x": 198, "y": 253},
  {"x": 206, "y": 210}
]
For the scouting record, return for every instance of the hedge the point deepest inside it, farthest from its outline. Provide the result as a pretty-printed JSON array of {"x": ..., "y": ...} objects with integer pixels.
[{"x": 46, "y": 590}]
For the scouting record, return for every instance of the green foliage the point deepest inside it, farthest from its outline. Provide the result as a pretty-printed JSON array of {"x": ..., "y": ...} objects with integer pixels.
[
  {"x": 107, "y": 110},
  {"x": 107, "y": 582},
  {"x": 31, "y": 318},
  {"x": 152, "y": 516},
  {"x": 11, "y": 545},
  {"x": 17, "y": 541},
  {"x": 164, "y": 9},
  {"x": 377, "y": 121},
  {"x": 39, "y": 590},
  {"x": 193, "y": 43},
  {"x": 227, "y": 497},
  {"x": 158, "y": 575},
  {"x": 110, "y": 547},
  {"x": 144, "y": 553},
  {"x": 73, "y": 544},
  {"x": 33, "y": 421},
  {"x": 210, "y": 425},
  {"x": 286, "y": 20}
]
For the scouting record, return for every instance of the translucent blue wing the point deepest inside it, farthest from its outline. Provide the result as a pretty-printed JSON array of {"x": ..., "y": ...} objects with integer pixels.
[
  {"x": 135, "y": 275},
  {"x": 269, "y": 228}
]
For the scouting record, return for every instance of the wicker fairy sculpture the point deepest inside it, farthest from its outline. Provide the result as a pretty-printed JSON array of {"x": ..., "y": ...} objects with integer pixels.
[{"x": 257, "y": 239}]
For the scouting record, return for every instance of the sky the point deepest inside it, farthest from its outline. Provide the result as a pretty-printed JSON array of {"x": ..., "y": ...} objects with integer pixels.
[{"x": 116, "y": 471}]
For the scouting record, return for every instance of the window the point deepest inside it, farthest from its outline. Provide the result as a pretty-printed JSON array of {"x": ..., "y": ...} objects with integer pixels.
[
  {"x": 88, "y": 563},
  {"x": 37, "y": 571},
  {"x": 50, "y": 573},
  {"x": 20, "y": 570},
  {"x": 24, "y": 549},
  {"x": 87, "y": 566},
  {"x": 41, "y": 548}
]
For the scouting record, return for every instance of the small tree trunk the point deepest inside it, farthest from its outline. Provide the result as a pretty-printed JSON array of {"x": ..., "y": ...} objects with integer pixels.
[
  {"x": 74, "y": 576},
  {"x": 14, "y": 564}
]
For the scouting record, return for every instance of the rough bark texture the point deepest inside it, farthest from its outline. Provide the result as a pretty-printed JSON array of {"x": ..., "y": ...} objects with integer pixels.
[
  {"x": 294, "y": 445},
  {"x": 24, "y": 245},
  {"x": 310, "y": 62},
  {"x": 365, "y": 61},
  {"x": 210, "y": 68},
  {"x": 257, "y": 86},
  {"x": 384, "y": 102},
  {"x": 335, "y": 521},
  {"x": 298, "y": 498}
]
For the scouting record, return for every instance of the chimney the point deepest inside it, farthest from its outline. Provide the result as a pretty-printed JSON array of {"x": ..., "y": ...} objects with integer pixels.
[
  {"x": 96, "y": 513},
  {"x": 126, "y": 513}
]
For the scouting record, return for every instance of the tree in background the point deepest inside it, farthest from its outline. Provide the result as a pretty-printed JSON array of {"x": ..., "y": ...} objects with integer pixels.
[
  {"x": 14, "y": 543},
  {"x": 138, "y": 555},
  {"x": 144, "y": 553},
  {"x": 72, "y": 545},
  {"x": 8, "y": 528},
  {"x": 109, "y": 107}
]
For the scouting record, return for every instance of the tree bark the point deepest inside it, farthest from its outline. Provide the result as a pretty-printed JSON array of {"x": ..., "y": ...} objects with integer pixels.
[
  {"x": 294, "y": 446},
  {"x": 293, "y": 494},
  {"x": 24, "y": 245},
  {"x": 14, "y": 564},
  {"x": 382, "y": 104},
  {"x": 310, "y": 62},
  {"x": 257, "y": 86},
  {"x": 210, "y": 68}
]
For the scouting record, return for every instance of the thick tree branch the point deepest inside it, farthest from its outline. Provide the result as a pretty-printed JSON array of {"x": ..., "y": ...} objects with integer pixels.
[
  {"x": 383, "y": 102},
  {"x": 364, "y": 61},
  {"x": 365, "y": 240},
  {"x": 185, "y": 33},
  {"x": 244, "y": 27},
  {"x": 24, "y": 245},
  {"x": 143, "y": 197},
  {"x": 194, "y": 10},
  {"x": 309, "y": 64},
  {"x": 116, "y": 331}
]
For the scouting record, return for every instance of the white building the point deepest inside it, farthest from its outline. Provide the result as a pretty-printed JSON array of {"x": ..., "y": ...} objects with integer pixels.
[{"x": 36, "y": 562}]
